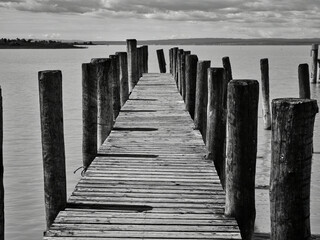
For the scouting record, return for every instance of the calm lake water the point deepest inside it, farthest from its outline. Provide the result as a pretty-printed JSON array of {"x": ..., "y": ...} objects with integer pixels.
[{"x": 24, "y": 202}]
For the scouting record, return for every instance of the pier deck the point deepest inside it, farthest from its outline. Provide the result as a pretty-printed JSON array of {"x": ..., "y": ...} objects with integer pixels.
[{"x": 150, "y": 179}]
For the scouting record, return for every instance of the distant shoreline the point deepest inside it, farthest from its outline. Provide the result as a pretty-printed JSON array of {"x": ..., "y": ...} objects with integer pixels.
[{"x": 219, "y": 41}]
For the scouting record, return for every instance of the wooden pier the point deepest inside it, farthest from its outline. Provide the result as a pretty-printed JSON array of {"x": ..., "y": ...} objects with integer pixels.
[{"x": 150, "y": 179}]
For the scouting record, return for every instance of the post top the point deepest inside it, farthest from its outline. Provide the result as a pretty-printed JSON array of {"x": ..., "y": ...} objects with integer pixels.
[
  {"x": 48, "y": 73},
  {"x": 315, "y": 46},
  {"x": 243, "y": 82},
  {"x": 292, "y": 101}
]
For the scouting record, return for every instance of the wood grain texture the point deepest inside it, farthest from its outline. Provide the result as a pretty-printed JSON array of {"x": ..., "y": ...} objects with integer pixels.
[
  {"x": 264, "y": 67},
  {"x": 132, "y": 63},
  {"x": 150, "y": 179},
  {"x": 53, "y": 153},
  {"x": 291, "y": 159},
  {"x": 191, "y": 79}
]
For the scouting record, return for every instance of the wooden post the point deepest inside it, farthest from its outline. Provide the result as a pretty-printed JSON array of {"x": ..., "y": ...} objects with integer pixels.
[
  {"x": 200, "y": 113},
  {"x": 174, "y": 63},
  {"x": 139, "y": 63},
  {"x": 89, "y": 114},
  {"x": 292, "y": 141},
  {"x": 227, "y": 67},
  {"x": 124, "y": 85},
  {"x": 104, "y": 98},
  {"x": 314, "y": 66},
  {"x": 180, "y": 53},
  {"x": 2, "y": 225},
  {"x": 216, "y": 120},
  {"x": 304, "y": 83},
  {"x": 264, "y": 66},
  {"x": 183, "y": 73},
  {"x": 53, "y": 153},
  {"x": 132, "y": 63},
  {"x": 161, "y": 61},
  {"x": 170, "y": 59},
  {"x": 115, "y": 76},
  {"x": 145, "y": 58},
  {"x": 243, "y": 97},
  {"x": 191, "y": 78}
]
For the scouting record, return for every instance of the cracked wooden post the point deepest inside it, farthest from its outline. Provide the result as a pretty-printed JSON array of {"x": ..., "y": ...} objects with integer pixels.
[
  {"x": 191, "y": 78},
  {"x": 200, "y": 113},
  {"x": 170, "y": 59},
  {"x": 264, "y": 67},
  {"x": 216, "y": 120},
  {"x": 123, "y": 77},
  {"x": 304, "y": 83},
  {"x": 174, "y": 63},
  {"x": 132, "y": 63},
  {"x": 89, "y": 114},
  {"x": 314, "y": 66},
  {"x": 183, "y": 73},
  {"x": 227, "y": 67},
  {"x": 2, "y": 218},
  {"x": 291, "y": 158},
  {"x": 145, "y": 58},
  {"x": 114, "y": 74},
  {"x": 243, "y": 97},
  {"x": 161, "y": 61},
  {"x": 53, "y": 151},
  {"x": 104, "y": 98},
  {"x": 180, "y": 54}
]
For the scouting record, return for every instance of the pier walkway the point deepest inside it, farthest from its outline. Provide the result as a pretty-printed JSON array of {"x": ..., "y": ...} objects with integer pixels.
[{"x": 150, "y": 179}]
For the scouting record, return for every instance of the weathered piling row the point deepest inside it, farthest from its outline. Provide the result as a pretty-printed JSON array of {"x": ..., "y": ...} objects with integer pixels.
[
  {"x": 314, "y": 66},
  {"x": 132, "y": 63},
  {"x": 291, "y": 149},
  {"x": 115, "y": 76},
  {"x": 216, "y": 120},
  {"x": 104, "y": 98},
  {"x": 2, "y": 226},
  {"x": 191, "y": 78},
  {"x": 264, "y": 67},
  {"x": 200, "y": 112},
  {"x": 243, "y": 96},
  {"x": 123, "y": 77},
  {"x": 304, "y": 83},
  {"x": 161, "y": 61},
  {"x": 53, "y": 152},
  {"x": 89, "y": 113},
  {"x": 227, "y": 67}
]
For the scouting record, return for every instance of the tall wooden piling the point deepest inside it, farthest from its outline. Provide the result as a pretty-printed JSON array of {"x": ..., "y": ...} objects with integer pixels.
[
  {"x": 216, "y": 120},
  {"x": 183, "y": 73},
  {"x": 227, "y": 67},
  {"x": 115, "y": 76},
  {"x": 291, "y": 158},
  {"x": 2, "y": 226},
  {"x": 243, "y": 96},
  {"x": 161, "y": 61},
  {"x": 304, "y": 83},
  {"x": 89, "y": 114},
  {"x": 179, "y": 86},
  {"x": 53, "y": 152},
  {"x": 145, "y": 58},
  {"x": 191, "y": 78},
  {"x": 132, "y": 63},
  {"x": 104, "y": 98},
  {"x": 264, "y": 67},
  {"x": 174, "y": 63},
  {"x": 170, "y": 59},
  {"x": 200, "y": 113},
  {"x": 123, "y": 77},
  {"x": 314, "y": 64}
]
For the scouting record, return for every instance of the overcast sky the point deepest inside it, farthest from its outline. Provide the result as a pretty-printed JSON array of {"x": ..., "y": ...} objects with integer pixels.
[{"x": 158, "y": 19}]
